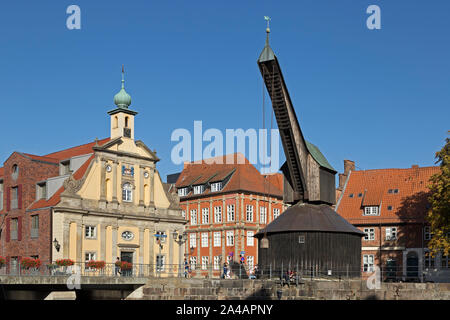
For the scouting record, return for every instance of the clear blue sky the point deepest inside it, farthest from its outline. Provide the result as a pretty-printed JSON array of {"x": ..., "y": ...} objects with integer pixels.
[{"x": 380, "y": 98}]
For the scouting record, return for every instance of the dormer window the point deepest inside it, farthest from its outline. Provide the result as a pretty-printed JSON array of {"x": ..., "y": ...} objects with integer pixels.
[
  {"x": 182, "y": 192},
  {"x": 371, "y": 211},
  {"x": 217, "y": 186},
  {"x": 198, "y": 189},
  {"x": 64, "y": 168},
  {"x": 41, "y": 190}
]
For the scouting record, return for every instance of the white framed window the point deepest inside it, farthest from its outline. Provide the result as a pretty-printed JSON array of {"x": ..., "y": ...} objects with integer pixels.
[
  {"x": 218, "y": 214},
  {"x": 250, "y": 262},
  {"x": 35, "y": 226},
  {"x": 205, "y": 215},
  {"x": 192, "y": 240},
  {"x": 276, "y": 213},
  {"x": 368, "y": 263},
  {"x": 230, "y": 238},
  {"x": 369, "y": 234},
  {"x": 204, "y": 239},
  {"x": 216, "y": 262},
  {"x": 198, "y": 189},
  {"x": 160, "y": 262},
  {"x": 429, "y": 261},
  {"x": 427, "y": 234},
  {"x": 90, "y": 232},
  {"x": 41, "y": 190},
  {"x": 217, "y": 236},
  {"x": 371, "y": 211},
  {"x": 88, "y": 256},
  {"x": 205, "y": 262},
  {"x": 262, "y": 215},
  {"x": 391, "y": 233},
  {"x": 193, "y": 217},
  {"x": 216, "y": 186},
  {"x": 249, "y": 213},
  {"x": 230, "y": 212},
  {"x": 193, "y": 262},
  {"x": 127, "y": 192},
  {"x": 182, "y": 192},
  {"x": 250, "y": 239}
]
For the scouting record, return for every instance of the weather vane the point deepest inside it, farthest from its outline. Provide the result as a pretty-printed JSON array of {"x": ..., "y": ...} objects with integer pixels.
[{"x": 267, "y": 19}]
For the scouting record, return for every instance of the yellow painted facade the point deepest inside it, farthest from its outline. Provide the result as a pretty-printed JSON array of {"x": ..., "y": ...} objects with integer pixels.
[{"x": 118, "y": 205}]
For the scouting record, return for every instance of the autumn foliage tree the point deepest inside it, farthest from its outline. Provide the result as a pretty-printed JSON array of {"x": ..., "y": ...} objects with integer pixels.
[{"x": 439, "y": 214}]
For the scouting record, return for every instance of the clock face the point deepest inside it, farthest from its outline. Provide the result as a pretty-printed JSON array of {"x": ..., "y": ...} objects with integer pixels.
[
  {"x": 108, "y": 168},
  {"x": 127, "y": 235},
  {"x": 145, "y": 174}
]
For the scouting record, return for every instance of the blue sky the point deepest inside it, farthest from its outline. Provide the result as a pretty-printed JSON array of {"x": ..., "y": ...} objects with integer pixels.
[{"x": 378, "y": 97}]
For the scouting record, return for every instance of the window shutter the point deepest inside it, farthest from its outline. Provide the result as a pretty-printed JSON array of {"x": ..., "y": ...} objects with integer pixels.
[
  {"x": 8, "y": 229},
  {"x": 8, "y": 199},
  {"x": 19, "y": 228},
  {"x": 19, "y": 197}
]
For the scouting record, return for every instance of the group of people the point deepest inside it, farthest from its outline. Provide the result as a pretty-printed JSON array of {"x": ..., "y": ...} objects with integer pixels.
[{"x": 289, "y": 276}]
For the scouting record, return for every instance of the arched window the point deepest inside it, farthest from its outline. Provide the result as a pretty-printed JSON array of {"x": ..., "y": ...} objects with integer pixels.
[
  {"x": 116, "y": 122},
  {"x": 127, "y": 193},
  {"x": 126, "y": 122}
]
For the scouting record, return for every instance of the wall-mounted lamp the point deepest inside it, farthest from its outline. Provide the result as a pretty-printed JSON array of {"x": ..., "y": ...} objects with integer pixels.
[{"x": 56, "y": 245}]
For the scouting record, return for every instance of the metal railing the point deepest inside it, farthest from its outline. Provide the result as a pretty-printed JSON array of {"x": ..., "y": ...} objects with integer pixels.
[{"x": 289, "y": 274}]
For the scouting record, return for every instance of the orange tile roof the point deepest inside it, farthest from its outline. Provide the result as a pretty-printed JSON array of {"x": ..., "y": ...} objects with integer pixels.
[
  {"x": 76, "y": 151},
  {"x": 244, "y": 176},
  {"x": 371, "y": 188}
]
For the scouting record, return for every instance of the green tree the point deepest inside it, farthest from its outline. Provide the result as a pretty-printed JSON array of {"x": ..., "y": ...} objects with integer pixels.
[{"x": 439, "y": 214}]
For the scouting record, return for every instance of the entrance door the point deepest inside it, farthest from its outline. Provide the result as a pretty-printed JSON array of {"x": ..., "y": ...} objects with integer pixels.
[
  {"x": 412, "y": 266},
  {"x": 128, "y": 257}
]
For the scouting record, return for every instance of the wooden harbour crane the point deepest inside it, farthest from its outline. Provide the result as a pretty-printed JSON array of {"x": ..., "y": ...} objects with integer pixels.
[{"x": 309, "y": 234}]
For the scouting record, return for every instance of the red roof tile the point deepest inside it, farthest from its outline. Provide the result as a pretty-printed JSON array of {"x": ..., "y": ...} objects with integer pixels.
[
  {"x": 244, "y": 175},
  {"x": 371, "y": 188},
  {"x": 76, "y": 151}
]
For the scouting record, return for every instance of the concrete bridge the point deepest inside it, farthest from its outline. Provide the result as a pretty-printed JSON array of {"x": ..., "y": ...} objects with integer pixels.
[{"x": 84, "y": 287}]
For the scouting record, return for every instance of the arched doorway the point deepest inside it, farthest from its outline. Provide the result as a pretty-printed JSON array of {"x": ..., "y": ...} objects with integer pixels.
[{"x": 412, "y": 266}]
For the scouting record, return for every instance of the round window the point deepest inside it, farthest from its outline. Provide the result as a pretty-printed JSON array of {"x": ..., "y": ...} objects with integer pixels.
[
  {"x": 145, "y": 174},
  {"x": 127, "y": 235},
  {"x": 108, "y": 168}
]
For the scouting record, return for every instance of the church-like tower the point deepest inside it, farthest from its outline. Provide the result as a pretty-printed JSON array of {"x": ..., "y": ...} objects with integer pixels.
[{"x": 122, "y": 118}]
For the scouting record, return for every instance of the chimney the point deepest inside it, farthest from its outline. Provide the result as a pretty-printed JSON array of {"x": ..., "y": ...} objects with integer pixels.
[
  {"x": 342, "y": 178},
  {"x": 348, "y": 165}
]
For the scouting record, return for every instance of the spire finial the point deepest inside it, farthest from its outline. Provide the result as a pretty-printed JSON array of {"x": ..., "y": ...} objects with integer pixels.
[
  {"x": 122, "y": 99},
  {"x": 123, "y": 77},
  {"x": 267, "y": 29}
]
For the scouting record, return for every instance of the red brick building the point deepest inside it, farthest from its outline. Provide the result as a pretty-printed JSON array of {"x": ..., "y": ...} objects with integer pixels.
[
  {"x": 226, "y": 204},
  {"x": 390, "y": 206},
  {"x": 27, "y": 180}
]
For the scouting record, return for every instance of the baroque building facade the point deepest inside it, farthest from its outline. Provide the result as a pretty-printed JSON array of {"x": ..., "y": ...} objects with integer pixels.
[{"x": 101, "y": 201}]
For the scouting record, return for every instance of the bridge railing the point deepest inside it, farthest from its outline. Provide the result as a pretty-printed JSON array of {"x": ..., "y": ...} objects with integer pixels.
[{"x": 288, "y": 273}]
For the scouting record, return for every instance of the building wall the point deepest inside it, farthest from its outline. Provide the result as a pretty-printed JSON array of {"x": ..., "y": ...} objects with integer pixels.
[
  {"x": 240, "y": 226},
  {"x": 30, "y": 172}
]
